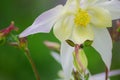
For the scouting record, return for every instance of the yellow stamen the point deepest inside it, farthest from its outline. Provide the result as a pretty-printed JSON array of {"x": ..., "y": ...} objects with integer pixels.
[{"x": 82, "y": 18}]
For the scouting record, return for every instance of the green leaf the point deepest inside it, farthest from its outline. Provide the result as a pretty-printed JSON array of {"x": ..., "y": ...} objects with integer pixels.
[
  {"x": 71, "y": 43},
  {"x": 87, "y": 43}
]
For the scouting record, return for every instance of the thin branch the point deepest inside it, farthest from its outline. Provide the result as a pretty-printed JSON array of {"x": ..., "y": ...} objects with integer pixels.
[{"x": 27, "y": 52}]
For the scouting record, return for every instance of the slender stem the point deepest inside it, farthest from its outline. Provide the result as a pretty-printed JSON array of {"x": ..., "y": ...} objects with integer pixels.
[
  {"x": 106, "y": 73},
  {"x": 27, "y": 52}
]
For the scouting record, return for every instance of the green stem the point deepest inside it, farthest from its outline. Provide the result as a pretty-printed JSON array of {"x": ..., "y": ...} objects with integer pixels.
[
  {"x": 27, "y": 52},
  {"x": 76, "y": 75}
]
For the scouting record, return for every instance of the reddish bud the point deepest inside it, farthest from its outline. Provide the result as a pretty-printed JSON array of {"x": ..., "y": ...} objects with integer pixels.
[
  {"x": 7, "y": 30},
  {"x": 52, "y": 45},
  {"x": 23, "y": 43}
]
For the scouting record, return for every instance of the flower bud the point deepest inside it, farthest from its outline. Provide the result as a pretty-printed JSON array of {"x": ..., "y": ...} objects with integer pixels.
[
  {"x": 80, "y": 61},
  {"x": 23, "y": 43},
  {"x": 53, "y": 46}
]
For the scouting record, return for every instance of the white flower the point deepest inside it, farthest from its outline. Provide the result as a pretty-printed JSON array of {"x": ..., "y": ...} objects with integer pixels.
[{"x": 79, "y": 20}]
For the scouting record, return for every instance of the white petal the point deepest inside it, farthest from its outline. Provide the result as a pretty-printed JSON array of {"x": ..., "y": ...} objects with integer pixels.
[
  {"x": 56, "y": 56},
  {"x": 103, "y": 44},
  {"x": 81, "y": 34},
  {"x": 90, "y": 2},
  {"x": 101, "y": 76},
  {"x": 98, "y": 77},
  {"x": 44, "y": 22},
  {"x": 114, "y": 73},
  {"x": 63, "y": 28},
  {"x": 114, "y": 7},
  {"x": 67, "y": 59},
  {"x": 99, "y": 1}
]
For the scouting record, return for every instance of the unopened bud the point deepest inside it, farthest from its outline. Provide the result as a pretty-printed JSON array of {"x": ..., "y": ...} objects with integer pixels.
[
  {"x": 23, "y": 43},
  {"x": 52, "y": 45},
  {"x": 80, "y": 61},
  {"x": 7, "y": 30}
]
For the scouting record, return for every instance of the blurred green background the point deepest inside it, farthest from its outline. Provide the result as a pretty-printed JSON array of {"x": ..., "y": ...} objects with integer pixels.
[{"x": 14, "y": 64}]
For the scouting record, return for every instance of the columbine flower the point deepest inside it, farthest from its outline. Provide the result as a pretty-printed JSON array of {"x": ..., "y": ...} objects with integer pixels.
[{"x": 79, "y": 20}]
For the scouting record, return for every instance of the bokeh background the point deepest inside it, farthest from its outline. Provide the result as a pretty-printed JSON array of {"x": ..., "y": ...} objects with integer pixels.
[{"x": 14, "y": 64}]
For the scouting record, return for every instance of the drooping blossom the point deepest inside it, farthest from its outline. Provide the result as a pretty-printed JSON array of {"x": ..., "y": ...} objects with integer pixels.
[{"x": 79, "y": 20}]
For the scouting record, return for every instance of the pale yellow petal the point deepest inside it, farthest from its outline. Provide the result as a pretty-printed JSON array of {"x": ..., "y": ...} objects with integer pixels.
[
  {"x": 85, "y": 3},
  {"x": 63, "y": 28},
  {"x": 100, "y": 17},
  {"x": 91, "y": 0},
  {"x": 81, "y": 34}
]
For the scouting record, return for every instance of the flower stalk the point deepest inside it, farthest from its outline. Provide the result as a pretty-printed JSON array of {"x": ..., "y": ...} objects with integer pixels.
[
  {"x": 27, "y": 53},
  {"x": 23, "y": 45},
  {"x": 106, "y": 73},
  {"x": 115, "y": 31}
]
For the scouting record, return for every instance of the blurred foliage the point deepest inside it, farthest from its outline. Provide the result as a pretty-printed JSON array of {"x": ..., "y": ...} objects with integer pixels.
[{"x": 14, "y": 64}]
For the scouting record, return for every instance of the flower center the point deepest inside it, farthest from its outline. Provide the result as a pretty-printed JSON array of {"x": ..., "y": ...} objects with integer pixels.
[{"x": 82, "y": 18}]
